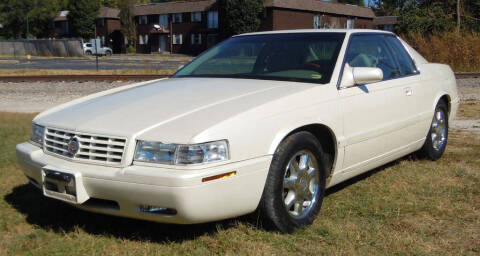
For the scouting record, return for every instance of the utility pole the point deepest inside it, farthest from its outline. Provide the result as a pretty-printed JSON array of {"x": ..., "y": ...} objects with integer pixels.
[
  {"x": 96, "y": 50},
  {"x": 458, "y": 16},
  {"x": 28, "y": 29}
]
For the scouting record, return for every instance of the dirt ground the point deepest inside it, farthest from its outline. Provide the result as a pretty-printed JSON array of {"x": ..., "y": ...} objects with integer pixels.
[{"x": 35, "y": 97}]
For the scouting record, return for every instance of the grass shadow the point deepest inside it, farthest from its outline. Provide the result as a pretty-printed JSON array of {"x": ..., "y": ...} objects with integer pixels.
[
  {"x": 56, "y": 216},
  {"x": 358, "y": 178},
  {"x": 51, "y": 214}
]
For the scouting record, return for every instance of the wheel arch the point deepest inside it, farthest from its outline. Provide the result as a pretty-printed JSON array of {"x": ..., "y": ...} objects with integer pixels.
[
  {"x": 447, "y": 99},
  {"x": 325, "y": 136}
]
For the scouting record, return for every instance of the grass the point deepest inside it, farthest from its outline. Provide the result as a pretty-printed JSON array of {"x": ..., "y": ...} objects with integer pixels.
[
  {"x": 407, "y": 207},
  {"x": 470, "y": 110},
  {"x": 460, "y": 51},
  {"x": 41, "y": 72}
]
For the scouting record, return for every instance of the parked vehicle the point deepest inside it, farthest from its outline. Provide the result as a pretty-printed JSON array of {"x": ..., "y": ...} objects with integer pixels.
[
  {"x": 262, "y": 121},
  {"x": 90, "y": 49}
]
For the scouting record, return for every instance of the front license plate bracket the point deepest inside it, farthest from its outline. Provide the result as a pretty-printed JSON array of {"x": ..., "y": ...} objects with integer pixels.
[{"x": 63, "y": 185}]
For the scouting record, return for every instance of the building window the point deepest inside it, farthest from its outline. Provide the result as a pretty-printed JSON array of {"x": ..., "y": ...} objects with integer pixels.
[
  {"x": 213, "y": 19},
  {"x": 177, "y": 39},
  {"x": 145, "y": 40},
  {"x": 163, "y": 21},
  {"x": 177, "y": 18},
  {"x": 196, "y": 16},
  {"x": 101, "y": 22},
  {"x": 196, "y": 38},
  {"x": 350, "y": 23},
  {"x": 142, "y": 20},
  {"x": 140, "y": 39}
]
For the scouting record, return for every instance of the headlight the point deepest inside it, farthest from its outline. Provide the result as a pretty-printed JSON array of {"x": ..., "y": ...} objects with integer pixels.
[
  {"x": 36, "y": 134},
  {"x": 156, "y": 152}
]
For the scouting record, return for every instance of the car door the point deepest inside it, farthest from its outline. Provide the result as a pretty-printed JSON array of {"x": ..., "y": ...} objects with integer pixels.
[
  {"x": 376, "y": 114},
  {"x": 419, "y": 105}
]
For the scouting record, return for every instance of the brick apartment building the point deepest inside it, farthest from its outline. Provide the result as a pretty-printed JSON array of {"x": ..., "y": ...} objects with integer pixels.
[
  {"x": 61, "y": 26},
  {"x": 108, "y": 29},
  {"x": 190, "y": 27},
  {"x": 184, "y": 27}
]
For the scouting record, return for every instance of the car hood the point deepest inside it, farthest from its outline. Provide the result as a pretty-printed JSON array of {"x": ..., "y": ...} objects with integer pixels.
[{"x": 134, "y": 111}]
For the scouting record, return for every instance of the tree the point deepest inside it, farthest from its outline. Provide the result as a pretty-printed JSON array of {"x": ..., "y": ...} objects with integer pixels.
[
  {"x": 13, "y": 16},
  {"x": 82, "y": 17},
  {"x": 127, "y": 19},
  {"x": 240, "y": 16},
  {"x": 109, "y": 3}
]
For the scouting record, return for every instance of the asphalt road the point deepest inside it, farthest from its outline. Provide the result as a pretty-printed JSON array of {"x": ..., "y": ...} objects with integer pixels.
[{"x": 88, "y": 63}]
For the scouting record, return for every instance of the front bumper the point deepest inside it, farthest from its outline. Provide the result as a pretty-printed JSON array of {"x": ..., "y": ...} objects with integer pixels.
[{"x": 131, "y": 187}]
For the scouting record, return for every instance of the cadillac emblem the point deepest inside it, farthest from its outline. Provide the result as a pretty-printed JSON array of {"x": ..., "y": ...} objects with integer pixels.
[{"x": 73, "y": 146}]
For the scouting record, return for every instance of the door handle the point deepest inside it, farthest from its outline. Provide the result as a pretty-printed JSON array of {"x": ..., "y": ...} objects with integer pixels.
[{"x": 408, "y": 91}]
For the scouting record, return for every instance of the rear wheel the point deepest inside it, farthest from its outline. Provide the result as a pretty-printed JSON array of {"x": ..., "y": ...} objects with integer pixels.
[
  {"x": 295, "y": 184},
  {"x": 437, "y": 137}
]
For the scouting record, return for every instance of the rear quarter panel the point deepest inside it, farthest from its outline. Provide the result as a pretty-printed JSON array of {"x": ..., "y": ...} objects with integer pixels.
[{"x": 438, "y": 80}]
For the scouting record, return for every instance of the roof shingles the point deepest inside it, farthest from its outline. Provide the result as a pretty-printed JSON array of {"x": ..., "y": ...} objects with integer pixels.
[
  {"x": 322, "y": 6},
  {"x": 173, "y": 7},
  {"x": 304, "y": 5}
]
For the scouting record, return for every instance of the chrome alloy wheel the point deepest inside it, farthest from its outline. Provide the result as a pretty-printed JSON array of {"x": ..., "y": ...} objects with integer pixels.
[
  {"x": 439, "y": 130},
  {"x": 301, "y": 184}
]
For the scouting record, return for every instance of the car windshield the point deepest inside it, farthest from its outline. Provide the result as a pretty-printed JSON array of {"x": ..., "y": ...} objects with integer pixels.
[{"x": 300, "y": 57}]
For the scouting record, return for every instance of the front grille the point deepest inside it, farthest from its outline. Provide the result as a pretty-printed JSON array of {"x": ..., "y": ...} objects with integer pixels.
[{"x": 91, "y": 148}]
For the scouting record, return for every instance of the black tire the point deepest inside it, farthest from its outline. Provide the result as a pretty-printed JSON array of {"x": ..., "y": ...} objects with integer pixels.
[
  {"x": 88, "y": 53},
  {"x": 430, "y": 149},
  {"x": 272, "y": 206},
  {"x": 108, "y": 53}
]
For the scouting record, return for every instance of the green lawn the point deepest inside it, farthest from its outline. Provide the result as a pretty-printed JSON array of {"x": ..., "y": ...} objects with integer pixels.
[{"x": 407, "y": 207}]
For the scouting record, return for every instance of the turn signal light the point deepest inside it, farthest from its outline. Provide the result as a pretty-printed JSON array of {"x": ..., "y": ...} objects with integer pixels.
[{"x": 220, "y": 176}]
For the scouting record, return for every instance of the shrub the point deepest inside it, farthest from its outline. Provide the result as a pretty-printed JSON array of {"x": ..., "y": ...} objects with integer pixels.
[
  {"x": 459, "y": 50},
  {"x": 131, "y": 49}
]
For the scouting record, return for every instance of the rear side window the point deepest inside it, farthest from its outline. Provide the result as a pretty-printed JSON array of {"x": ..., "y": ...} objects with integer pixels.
[{"x": 407, "y": 67}]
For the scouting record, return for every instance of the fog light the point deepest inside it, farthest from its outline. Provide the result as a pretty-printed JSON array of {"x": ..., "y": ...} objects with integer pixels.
[{"x": 156, "y": 210}]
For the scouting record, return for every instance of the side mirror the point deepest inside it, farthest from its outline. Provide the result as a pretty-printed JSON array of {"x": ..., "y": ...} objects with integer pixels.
[{"x": 355, "y": 76}]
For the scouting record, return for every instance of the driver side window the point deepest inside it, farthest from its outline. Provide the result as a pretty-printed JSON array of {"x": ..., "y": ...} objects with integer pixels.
[{"x": 372, "y": 51}]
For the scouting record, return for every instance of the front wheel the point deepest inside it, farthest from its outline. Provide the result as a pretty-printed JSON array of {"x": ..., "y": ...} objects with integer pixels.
[
  {"x": 108, "y": 53},
  {"x": 437, "y": 136},
  {"x": 295, "y": 185}
]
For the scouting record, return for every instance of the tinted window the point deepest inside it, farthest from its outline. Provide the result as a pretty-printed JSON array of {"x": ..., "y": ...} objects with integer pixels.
[
  {"x": 404, "y": 60},
  {"x": 304, "y": 57},
  {"x": 373, "y": 51}
]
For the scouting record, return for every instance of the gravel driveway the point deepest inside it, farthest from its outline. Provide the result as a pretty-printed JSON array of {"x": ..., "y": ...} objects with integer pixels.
[{"x": 35, "y": 97}]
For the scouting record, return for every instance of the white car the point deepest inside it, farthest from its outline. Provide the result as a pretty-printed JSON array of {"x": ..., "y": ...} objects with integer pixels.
[
  {"x": 89, "y": 49},
  {"x": 262, "y": 121}
]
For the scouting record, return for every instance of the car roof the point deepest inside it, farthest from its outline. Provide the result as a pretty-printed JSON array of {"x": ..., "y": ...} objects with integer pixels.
[{"x": 347, "y": 31}]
